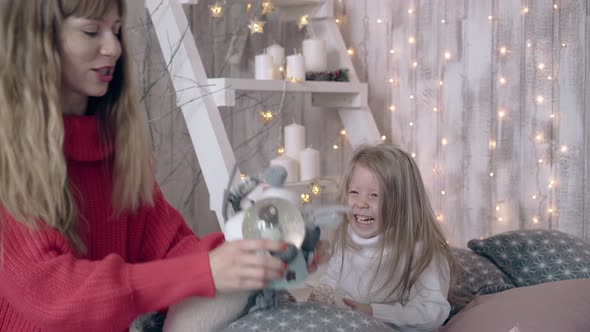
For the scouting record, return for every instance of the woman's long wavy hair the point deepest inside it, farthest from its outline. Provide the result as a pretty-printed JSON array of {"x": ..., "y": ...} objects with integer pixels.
[
  {"x": 33, "y": 173},
  {"x": 407, "y": 219}
]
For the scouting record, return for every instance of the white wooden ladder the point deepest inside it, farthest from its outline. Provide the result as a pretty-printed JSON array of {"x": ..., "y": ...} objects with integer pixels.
[{"x": 200, "y": 105}]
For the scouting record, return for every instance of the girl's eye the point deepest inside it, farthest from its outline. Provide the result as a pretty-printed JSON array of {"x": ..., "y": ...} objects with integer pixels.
[
  {"x": 352, "y": 192},
  {"x": 90, "y": 33}
]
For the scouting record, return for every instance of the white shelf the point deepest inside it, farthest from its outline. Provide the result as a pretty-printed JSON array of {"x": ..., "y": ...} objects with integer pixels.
[{"x": 324, "y": 94}]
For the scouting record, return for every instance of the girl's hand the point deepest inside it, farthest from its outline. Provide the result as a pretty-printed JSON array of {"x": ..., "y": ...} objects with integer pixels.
[
  {"x": 360, "y": 307},
  {"x": 240, "y": 265}
]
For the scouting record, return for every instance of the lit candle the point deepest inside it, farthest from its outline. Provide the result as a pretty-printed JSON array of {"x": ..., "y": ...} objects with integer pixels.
[
  {"x": 294, "y": 140},
  {"x": 290, "y": 165},
  {"x": 314, "y": 52},
  {"x": 309, "y": 162},
  {"x": 263, "y": 67},
  {"x": 295, "y": 68},
  {"x": 278, "y": 56}
]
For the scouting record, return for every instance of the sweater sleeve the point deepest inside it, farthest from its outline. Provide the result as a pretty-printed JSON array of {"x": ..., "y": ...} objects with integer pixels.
[
  {"x": 56, "y": 291},
  {"x": 166, "y": 234},
  {"x": 427, "y": 306}
]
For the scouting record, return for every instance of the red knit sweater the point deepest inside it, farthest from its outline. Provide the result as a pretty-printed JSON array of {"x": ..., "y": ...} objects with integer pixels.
[{"x": 44, "y": 286}]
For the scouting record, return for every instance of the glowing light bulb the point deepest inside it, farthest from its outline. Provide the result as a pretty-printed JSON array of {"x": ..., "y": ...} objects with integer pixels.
[
  {"x": 540, "y": 161},
  {"x": 490, "y": 17},
  {"x": 413, "y": 155},
  {"x": 315, "y": 189},
  {"x": 350, "y": 51},
  {"x": 414, "y": 64},
  {"x": 281, "y": 151},
  {"x": 412, "y": 40},
  {"x": 492, "y": 174},
  {"x": 410, "y": 11},
  {"x": 540, "y": 99},
  {"x": 383, "y": 138},
  {"x": 440, "y": 83},
  {"x": 434, "y": 109},
  {"x": 539, "y": 137},
  {"x": 497, "y": 207},
  {"x": 411, "y": 124},
  {"x": 444, "y": 142},
  {"x": 447, "y": 55},
  {"x": 555, "y": 6},
  {"x": 442, "y": 192},
  {"x": 443, "y": 21},
  {"x": 338, "y": 21},
  {"x": 379, "y": 20},
  {"x": 391, "y": 80},
  {"x": 492, "y": 144},
  {"x": 412, "y": 97},
  {"x": 535, "y": 219},
  {"x": 525, "y": 10},
  {"x": 503, "y": 50},
  {"x": 563, "y": 148},
  {"x": 502, "y": 80},
  {"x": 335, "y": 147},
  {"x": 242, "y": 176},
  {"x": 343, "y": 132},
  {"x": 501, "y": 114},
  {"x": 534, "y": 196},
  {"x": 541, "y": 66},
  {"x": 392, "y": 108},
  {"x": 392, "y": 51}
]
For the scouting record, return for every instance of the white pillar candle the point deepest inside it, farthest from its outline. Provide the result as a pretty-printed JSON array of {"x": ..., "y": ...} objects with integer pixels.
[
  {"x": 314, "y": 52},
  {"x": 294, "y": 140},
  {"x": 295, "y": 68},
  {"x": 290, "y": 164},
  {"x": 309, "y": 164},
  {"x": 263, "y": 67},
  {"x": 278, "y": 56}
]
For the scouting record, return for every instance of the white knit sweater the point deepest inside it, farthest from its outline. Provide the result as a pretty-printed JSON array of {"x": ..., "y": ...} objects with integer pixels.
[{"x": 427, "y": 306}]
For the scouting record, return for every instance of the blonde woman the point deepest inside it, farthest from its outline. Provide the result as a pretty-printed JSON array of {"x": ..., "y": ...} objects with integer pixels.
[
  {"x": 390, "y": 259},
  {"x": 88, "y": 242}
]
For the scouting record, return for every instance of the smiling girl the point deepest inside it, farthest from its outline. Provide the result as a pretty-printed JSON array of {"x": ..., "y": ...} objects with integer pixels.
[{"x": 390, "y": 258}]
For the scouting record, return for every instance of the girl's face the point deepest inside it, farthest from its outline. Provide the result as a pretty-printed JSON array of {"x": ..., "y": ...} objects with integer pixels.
[
  {"x": 90, "y": 49},
  {"x": 363, "y": 197}
]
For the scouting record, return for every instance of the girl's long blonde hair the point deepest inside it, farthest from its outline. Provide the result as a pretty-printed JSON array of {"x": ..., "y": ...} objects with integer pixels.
[
  {"x": 407, "y": 219},
  {"x": 33, "y": 173}
]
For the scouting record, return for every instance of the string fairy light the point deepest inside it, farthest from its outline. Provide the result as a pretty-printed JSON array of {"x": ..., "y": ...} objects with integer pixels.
[
  {"x": 216, "y": 10},
  {"x": 256, "y": 26}
]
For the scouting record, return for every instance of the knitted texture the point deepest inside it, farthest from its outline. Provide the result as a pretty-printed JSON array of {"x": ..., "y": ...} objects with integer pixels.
[{"x": 45, "y": 286}]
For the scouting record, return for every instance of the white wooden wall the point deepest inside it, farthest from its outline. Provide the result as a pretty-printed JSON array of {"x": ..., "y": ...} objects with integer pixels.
[{"x": 468, "y": 103}]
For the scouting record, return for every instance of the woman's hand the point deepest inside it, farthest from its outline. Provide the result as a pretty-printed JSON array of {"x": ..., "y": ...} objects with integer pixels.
[
  {"x": 360, "y": 307},
  {"x": 244, "y": 265}
]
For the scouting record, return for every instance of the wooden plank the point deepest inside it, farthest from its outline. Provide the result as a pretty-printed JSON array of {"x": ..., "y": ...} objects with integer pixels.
[
  {"x": 586, "y": 218},
  {"x": 425, "y": 67},
  {"x": 505, "y": 147},
  {"x": 477, "y": 98},
  {"x": 536, "y": 135},
  {"x": 572, "y": 109},
  {"x": 450, "y": 169}
]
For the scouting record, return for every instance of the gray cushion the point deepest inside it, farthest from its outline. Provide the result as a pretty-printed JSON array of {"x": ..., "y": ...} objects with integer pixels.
[
  {"x": 478, "y": 276},
  {"x": 530, "y": 257},
  {"x": 307, "y": 316}
]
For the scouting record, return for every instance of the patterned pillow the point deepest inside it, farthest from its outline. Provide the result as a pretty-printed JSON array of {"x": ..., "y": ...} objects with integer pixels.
[
  {"x": 478, "y": 276},
  {"x": 530, "y": 257},
  {"x": 307, "y": 316}
]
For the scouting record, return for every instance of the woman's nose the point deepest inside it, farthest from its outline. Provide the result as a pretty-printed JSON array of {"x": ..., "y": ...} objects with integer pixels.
[{"x": 111, "y": 46}]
